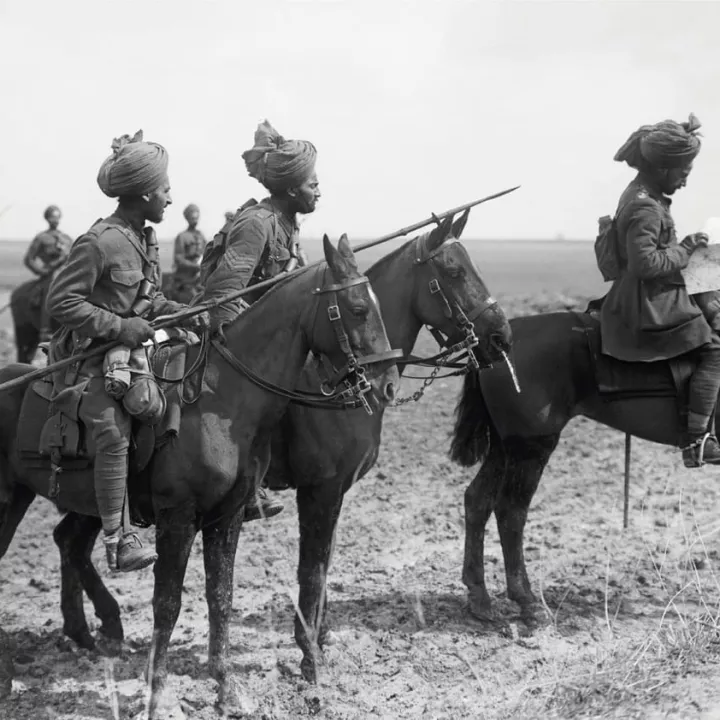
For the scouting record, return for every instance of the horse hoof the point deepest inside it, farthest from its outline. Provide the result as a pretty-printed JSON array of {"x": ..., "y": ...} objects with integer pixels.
[
  {"x": 534, "y": 616},
  {"x": 82, "y": 639},
  {"x": 481, "y": 610},
  {"x": 310, "y": 670},
  {"x": 233, "y": 701},
  {"x": 110, "y": 647}
]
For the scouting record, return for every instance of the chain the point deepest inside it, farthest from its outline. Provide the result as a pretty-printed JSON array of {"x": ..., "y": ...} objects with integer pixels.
[{"x": 427, "y": 382}]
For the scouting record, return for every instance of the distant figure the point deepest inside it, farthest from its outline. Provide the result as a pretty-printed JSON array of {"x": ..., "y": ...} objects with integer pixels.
[
  {"x": 47, "y": 252},
  {"x": 189, "y": 248},
  {"x": 229, "y": 215}
]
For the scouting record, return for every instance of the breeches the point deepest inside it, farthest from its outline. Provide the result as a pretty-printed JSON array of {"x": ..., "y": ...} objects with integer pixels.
[{"x": 110, "y": 428}]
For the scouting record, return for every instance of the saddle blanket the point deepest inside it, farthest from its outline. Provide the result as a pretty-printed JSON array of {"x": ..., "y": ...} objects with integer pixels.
[{"x": 619, "y": 380}]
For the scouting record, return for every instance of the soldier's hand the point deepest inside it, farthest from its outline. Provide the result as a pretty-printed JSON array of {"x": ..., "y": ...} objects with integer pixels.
[
  {"x": 135, "y": 331},
  {"x": 199, "y": 322},
  {"x": 692, "y": 242}
]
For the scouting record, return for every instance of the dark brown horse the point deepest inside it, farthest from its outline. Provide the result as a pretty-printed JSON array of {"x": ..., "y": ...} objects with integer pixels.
[
  {"x": 203, "y": 481},
  {"x": 25, "y": 302},
  {"x": 431, "y": 281},
  {"x": 514, "y": 435}
]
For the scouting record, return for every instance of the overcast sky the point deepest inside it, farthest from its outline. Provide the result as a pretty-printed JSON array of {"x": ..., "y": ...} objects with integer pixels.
[{"x": 413, "y": 106}]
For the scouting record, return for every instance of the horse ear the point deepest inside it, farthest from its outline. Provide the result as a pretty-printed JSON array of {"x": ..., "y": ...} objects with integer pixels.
[
  {"x": 459, "y": 225},
  {"x": 440, "y": 234},
  {"x": 336, "y": 262},
  {"x": 346, "y": 251}
]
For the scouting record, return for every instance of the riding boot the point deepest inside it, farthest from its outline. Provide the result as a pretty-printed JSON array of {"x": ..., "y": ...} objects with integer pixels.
[
  {"x": 701, "y": 445},
  {"x": 124, "y": 550},
  {"x": 261, "y": 505}
]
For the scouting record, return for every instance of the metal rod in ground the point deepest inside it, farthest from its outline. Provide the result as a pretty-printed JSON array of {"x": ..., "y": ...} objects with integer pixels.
[{"x": 628, "y": 440}]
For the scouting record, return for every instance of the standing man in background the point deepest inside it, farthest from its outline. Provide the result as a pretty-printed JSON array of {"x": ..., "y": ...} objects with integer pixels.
[{"x": 189, "y": 248}]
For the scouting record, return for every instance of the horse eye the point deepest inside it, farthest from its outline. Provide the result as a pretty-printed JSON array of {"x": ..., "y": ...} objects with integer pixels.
[{"x": 360, "y": 311}]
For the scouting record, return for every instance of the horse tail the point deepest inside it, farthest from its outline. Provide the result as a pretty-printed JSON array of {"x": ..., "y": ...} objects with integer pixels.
[{"x": 473, "y": 424}]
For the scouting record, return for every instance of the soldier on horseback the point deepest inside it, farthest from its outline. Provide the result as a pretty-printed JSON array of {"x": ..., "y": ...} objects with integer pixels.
[
  {"x": 47, "y": 252},
  {"x": 647, "y": 314},
  {"x": 108, "y": 290},
  {"x": 189, "y": 247},
  {"x": 261, "y": 239}
]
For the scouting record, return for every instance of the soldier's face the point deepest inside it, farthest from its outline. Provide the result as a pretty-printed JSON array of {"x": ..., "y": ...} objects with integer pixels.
[
  {"x": 157, "y": 202},
  {"x": 53, "y": 219},
  {"x": 192, "y": 218},
  {"x": 306, "y": 196},
  {"x": 676, "y": 179}
]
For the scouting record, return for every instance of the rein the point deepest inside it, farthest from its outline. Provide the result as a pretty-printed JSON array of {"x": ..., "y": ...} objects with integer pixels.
[{"x": 353, "y": 392}]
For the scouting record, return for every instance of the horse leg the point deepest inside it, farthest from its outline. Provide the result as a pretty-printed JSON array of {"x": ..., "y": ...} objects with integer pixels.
[
  {"x": 75, "y": 537},
  {"x": 479, "y": 504},
  {"x": 220, "y": 540},
  {"x": 318, "y": 510},
  {"x": 11, "y": 514},
  {"x": 526, "y": 460},
  {"x": 175, "y": 531}
]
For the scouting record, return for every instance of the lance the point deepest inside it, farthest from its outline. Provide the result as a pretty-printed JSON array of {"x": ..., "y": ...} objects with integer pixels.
[{"x": 170, "y": 320}]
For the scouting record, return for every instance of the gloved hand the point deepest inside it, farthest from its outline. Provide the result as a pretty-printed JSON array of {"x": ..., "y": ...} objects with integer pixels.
[
  {"x": 692, "y": 242},
  {"x": 134, "y": 331}
]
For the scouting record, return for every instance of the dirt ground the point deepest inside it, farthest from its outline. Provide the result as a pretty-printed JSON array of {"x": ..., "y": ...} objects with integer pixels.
[{"x": 631, "y": 632}]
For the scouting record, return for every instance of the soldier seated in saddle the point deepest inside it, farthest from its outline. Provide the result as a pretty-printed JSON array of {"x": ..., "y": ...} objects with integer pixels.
[
  {"x": 647, "y": 314},
  {"x": 189, "y": 248},
  {"x": 108, "y": 290},
  {"x": 261, "y": 239},
  {"x": 47, "y": 252}
]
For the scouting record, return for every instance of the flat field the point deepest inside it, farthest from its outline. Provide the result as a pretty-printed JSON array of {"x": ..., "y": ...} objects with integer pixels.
[{"x": 632, "y": 615}]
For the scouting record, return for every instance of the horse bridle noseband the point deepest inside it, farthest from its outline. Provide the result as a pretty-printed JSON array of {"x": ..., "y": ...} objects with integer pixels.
[{"x": 452, "y": 310}]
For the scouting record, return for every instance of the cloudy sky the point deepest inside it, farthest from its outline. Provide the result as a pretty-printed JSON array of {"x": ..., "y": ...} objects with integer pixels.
[{"x": 413, "y": 106}]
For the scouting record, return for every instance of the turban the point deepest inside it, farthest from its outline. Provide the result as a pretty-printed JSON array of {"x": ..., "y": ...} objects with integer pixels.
[
  {"x": 277, "y": 163},
  {"x": 666, "y": 145},
  {"x": 135, "y": 167},
  {"x": 49, "y": 210},
  {"x": 192, "y": 207}
]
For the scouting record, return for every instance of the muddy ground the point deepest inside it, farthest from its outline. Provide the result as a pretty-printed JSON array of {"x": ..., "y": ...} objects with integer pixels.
[{"x": 632, "y": 619}]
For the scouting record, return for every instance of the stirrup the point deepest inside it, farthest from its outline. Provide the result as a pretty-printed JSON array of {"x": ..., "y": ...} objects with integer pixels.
[{"x": 700, "y": 444}]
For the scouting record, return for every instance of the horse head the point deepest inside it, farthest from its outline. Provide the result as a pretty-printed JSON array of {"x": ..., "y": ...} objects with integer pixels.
[
  {"x": 455, "y": 300},
  {"x": 348, "y": 331}
]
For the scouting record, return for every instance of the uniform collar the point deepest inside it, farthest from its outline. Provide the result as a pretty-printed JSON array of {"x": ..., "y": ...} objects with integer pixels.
[{"x": 652, "y": 188}]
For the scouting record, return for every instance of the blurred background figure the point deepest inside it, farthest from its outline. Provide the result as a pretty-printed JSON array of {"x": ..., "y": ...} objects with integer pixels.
[
  {"x": 189, "y": 248},
  {"x": 47, "y": 252},
  {"x": 229, "y": 215}
]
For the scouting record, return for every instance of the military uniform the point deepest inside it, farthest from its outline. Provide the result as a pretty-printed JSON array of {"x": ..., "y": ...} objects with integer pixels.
[
  {"x": 647, "y": 314},
  {"x": 189, "y": 248},
  {"x": 91, "y": 294},
  {"x": 255, "y": 245}
]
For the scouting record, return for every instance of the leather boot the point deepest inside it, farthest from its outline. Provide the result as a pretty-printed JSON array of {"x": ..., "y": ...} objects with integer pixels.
[
  {"x": 262, "y": 505},
  {"x": 701, "y": 449},
  {"x": 125, "y": 552}
]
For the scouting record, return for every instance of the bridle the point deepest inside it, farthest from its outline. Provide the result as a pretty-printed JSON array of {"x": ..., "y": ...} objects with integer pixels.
[
  {"x": 465, "y": 340},
  {"x": 343, "y": 389}
]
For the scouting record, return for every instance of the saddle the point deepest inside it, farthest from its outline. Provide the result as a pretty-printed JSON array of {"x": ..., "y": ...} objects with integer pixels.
[
  {"x": 51, "y": 438},
  {"x": 620, "y": 380}
]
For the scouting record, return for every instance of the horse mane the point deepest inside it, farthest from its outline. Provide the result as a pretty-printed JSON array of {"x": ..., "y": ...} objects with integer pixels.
[{"x": 390, "y": 256}]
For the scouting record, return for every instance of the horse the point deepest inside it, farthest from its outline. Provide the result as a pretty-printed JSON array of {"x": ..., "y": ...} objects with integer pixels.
[
  {"x": 202, "y": 481},
  {"x": 557, "y": 360},
  {"x": 25, "y": 309},
  {"x": 429, "y": 280}
]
